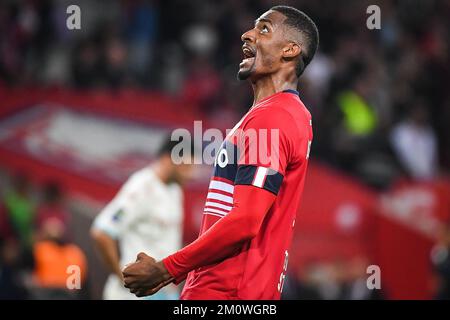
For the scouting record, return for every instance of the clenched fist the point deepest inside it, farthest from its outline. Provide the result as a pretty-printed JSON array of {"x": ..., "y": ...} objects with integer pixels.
[{"x": 145, "y": 276}]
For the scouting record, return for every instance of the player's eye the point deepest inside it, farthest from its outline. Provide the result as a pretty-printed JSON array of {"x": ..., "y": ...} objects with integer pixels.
[{"x": 264, "y": 29}]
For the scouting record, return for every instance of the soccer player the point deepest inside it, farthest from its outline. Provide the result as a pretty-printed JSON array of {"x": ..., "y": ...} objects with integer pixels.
[
  {"x": 146, "y": 215},
  {"x": 259, "y": 174}
]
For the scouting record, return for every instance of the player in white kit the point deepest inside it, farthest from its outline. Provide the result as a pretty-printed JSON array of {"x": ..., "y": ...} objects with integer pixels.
[{"x": 146, "y": 215}]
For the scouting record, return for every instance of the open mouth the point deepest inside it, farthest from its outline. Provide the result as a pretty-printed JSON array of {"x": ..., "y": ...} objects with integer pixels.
[{"x": 248, "y": 53}]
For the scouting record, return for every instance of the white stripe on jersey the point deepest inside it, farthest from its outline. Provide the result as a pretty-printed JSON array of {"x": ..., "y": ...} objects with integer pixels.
[
  {"x": 260, "y": 177},
  {"x": 218, "y": 205},
  {"x": 215, "y": 211},
  {"x": 219, "y": 185},
  {"x": 218, "y": 196},
  {"x": 214, "y": 214}
]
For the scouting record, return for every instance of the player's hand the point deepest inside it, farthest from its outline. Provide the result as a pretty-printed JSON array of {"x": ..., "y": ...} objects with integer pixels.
[{"x": 145, "y": 276}]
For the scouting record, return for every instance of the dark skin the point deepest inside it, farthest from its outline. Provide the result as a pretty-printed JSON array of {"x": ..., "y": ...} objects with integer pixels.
[
  {"x": 275, "y": 50},
  {"x": 146, "y": 276},
  {"x": 270, "y": 53}
]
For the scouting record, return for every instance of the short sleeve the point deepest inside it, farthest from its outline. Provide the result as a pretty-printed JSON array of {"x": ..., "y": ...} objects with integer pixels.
[{"x": 115, "y": 218}]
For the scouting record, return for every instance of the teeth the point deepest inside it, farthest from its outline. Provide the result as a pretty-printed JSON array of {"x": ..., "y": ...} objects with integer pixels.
[{"x": 247, "y": 53}]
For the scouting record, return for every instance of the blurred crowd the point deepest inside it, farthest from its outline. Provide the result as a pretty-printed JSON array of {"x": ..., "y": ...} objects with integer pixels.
[
  {"x": 36, "y": 248},
  {"x": 340, "y": 279},
  {"x": 379, "y": 98}
]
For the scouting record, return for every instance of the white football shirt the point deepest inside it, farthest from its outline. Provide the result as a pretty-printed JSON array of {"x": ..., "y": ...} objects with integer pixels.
[{"x": 145, "y": 216}]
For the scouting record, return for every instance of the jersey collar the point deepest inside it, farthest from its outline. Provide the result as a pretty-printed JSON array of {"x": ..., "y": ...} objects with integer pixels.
[{"x": 291, "y": 91}]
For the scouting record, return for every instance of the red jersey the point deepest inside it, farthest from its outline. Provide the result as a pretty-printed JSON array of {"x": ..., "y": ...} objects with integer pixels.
[{"x": 258, "y": 269}]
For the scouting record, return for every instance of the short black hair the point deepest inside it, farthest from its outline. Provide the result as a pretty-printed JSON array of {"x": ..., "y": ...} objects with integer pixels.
[
  {"x": 303, "y": 24},
  {"x": 168, "y": 144}
]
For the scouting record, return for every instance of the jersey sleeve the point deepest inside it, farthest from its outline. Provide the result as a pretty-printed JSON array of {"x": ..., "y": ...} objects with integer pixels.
[
  {"x": 264, "y": 148},
  {"x": 226, "y": 237},
  {"x": 120, "y": 212}
]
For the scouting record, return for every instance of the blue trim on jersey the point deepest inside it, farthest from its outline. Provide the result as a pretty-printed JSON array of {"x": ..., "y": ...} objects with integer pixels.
[
  {"x": 292, "y": 91},
  {"x": 246, "y": 175},
  {"x": 226, "y": 161}
]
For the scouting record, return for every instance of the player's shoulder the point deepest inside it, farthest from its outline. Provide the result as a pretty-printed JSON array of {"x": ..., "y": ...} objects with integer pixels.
[
  {"x": 139, "y": 179},
  {"x": 299, "y": 113},
  {"x": 148, "y": 184},
  {"x": 141, "y": 175},
  {"x": 176, "y": 190},
  {"x": 284, "y": 111},
  {"x": 292, "y": 104}
]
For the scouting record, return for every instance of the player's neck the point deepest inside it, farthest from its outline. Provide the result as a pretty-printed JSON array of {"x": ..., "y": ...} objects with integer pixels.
[{"x": 269, "y": 85}]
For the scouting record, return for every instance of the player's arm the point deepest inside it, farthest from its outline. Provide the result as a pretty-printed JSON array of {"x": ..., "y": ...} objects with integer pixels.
[
  {"x": 224, "y": 239},
  {"x": 111, "y": 223},
  {"x": 227, "y": 236},
  {"x": 108, "y": 248}
]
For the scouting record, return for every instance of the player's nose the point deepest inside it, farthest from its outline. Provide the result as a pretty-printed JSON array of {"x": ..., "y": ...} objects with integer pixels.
[{"x": 248, "y": 36}]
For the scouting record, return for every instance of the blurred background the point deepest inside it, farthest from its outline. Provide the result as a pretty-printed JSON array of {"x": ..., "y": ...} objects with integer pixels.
[{"x": 80, "y": 110}]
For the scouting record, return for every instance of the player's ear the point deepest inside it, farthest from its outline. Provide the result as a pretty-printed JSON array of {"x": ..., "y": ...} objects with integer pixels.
[{"x": 291, "y": 50}]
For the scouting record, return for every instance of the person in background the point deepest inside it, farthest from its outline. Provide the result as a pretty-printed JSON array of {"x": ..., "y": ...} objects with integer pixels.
[
  {"x": 52, "y": 206},
  {"x": 20, "y": 210},
  {"x": 146, "y": 215},
  {"x": 440, "y": 258},
  {"x": 415, "y": 143},
  {"x": 16, "y": 260},
  {"x": 54, "y": 259},
  {"x": 6, "y": 230},
  {"x": 353, "y": 281},
  {"x": 302, "y": 283},
  {"x": 12, "y": 269}
]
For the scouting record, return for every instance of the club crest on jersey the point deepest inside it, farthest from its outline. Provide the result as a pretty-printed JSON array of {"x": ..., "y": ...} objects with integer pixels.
[
  {"x": 226, "y": 155},
  {"x": 118, "y": 215},
  {"x": 225, "y": 163},
  {"x": 222, "y": 158}
]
